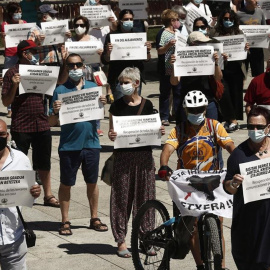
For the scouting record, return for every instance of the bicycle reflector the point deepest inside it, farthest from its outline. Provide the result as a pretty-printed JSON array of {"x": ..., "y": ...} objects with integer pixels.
[{"x": 164, "y": 171}]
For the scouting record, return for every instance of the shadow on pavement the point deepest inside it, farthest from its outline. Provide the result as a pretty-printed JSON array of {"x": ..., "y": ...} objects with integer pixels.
[
  {"x": 88, "y": 248},
  {"x": 106, "y": 148},
  {"x": 44, "y": 225}
]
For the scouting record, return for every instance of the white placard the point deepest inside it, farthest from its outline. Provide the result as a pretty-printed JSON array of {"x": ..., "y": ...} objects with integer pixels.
[
  {"x": 55, "y": 32},
  {"x": 257, "y": 35},
  {"x": 137, "y": 130},
  {"x": 194, "y": 61},
  {"x": 38, "y": 79},
  {"x": 86, "y": 49},
  {"x": 265, "y": 6},
  {"x": 139, "y": 8},
  {"x": 15, "y": 33},
  {"x": 97, "y": 15},
  {"x": 256, "y": 184},
  {"x": 128, "y": 46},
  {"x": 193, "y": 13},
  {"x": 15, "y": 188},
  {"x": 195, "y": 199},
  {"x": 234, "y": 47},
  {"x": 81, "y": 106},
  {"x": 181, "y": 40},
  {"x": 218, "y": 47}
]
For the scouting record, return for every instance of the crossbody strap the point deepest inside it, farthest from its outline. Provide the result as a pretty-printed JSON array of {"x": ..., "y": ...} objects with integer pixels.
[
  {"x": 21, "y": 217},
  {"x": 141, "y": 107}
]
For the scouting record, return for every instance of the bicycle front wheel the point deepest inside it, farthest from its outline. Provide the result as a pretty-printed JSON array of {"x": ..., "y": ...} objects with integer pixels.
[
  {"x": 149, "y": 237},
  {"x": 212, "y": 242}
]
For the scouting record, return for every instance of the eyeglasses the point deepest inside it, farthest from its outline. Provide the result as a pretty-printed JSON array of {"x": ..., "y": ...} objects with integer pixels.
[
  {"x": 226, "y": 19},
  {"x": 79, "y": 24},
  {"x": 258, "y": 127},
  {"x": 72, "y": 65},
  {"x": 203, "y": 27},
  {"x": 196, "y": 110},
  {"x": 127, "y": 19}
]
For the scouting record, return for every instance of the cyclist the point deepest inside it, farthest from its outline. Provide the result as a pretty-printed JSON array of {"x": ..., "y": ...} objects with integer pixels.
[{"x": 196, "y": 141}]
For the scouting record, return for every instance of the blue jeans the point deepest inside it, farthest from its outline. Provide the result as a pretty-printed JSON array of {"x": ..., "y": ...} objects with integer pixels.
[{"x": 165, "y": 88}]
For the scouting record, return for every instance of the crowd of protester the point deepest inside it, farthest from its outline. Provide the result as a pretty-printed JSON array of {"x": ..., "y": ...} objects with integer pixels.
[{"x": 189, "y": 100}]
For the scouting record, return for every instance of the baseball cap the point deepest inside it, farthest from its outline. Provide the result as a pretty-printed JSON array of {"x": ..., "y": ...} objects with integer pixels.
[
  {"x": 197, "y": 36},
  {"x": 47, "y": 9},
  {"x": 26, "y": 45}
]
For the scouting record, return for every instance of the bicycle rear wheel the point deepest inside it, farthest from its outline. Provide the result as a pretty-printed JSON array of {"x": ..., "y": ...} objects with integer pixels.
[
  {"x": 149, "y": 238},
  {"x": 212, "y": 245}
]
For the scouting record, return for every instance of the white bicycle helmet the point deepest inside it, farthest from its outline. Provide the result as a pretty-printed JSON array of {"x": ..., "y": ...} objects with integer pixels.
[{"x": 195, "y": 99}]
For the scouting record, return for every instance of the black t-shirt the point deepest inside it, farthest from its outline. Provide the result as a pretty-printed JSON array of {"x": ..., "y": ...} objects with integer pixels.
[{"x": 121, "y": 108}]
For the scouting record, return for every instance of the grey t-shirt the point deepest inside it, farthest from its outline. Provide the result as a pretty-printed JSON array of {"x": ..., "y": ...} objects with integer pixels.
[{"x": 255, "y": 17}]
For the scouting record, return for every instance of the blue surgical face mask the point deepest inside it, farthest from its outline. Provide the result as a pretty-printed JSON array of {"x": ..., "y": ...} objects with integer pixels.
[
  {"x": 92, "y": 2},
  {"x": 17, "y": 16},
  {"x": 228, "y": 24},
  {"x": 34, "y": 60},
  {"x": 127, "y": 25},
  {"x": 197, "y": 2},
  {"x": 256, "y": 136},
  {"x": 75, "y": 74},
  {"x": 203, "y": 31},
  {"x": 127, "y": 89},
  {"x": 195, "y": 119}
]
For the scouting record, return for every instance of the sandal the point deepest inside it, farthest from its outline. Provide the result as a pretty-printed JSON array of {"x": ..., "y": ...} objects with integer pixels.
[
  {"x": 123, "y": 253},
  {"x": 47, "y": 202},
  {"x": 97, "y": 227},
  {"x": 63, "y": 229}
]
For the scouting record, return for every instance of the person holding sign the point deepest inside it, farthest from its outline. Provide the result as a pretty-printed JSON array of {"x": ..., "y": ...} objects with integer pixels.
[
  {"x": 200, "y": 24},
  {"x": 29, "y": 124},
  {"x": 197, "y": 142},
  {"x": 13, "y": 247},
  {"x": 133, "y": 180},
  {"x": 79, "y": 146},
  {"x": 231, "y": 103},
  {"x": 250, "y": 231},
  {"x": 116, "y": 67}
]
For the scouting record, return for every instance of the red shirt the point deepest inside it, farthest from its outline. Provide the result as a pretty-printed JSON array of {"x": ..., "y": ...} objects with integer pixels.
[
  {"x": 27, "y": 109},
  {"x": 259, "y": 90},
  {"x": 13, "y": 50}
]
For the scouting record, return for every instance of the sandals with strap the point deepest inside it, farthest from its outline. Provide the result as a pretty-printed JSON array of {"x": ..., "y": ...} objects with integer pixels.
[
  {"x": 47, "y": 201},
  {"x": 65, "y": 230},
  {"x": 97, "y": 227}
]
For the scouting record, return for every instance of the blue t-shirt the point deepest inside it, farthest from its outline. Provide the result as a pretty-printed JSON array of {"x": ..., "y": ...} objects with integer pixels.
[{"x": 75, "y": 137}]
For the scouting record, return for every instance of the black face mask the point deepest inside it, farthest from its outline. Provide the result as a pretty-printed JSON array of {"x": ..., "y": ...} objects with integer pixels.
[{"x": 3, "y": 143}]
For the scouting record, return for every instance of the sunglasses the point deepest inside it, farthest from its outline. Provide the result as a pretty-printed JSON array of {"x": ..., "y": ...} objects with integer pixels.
[
  {"x": 79, "y": 24},
  {"x": 226, "y": 19},
  {"x": 196, "y": 110},
  {"x": 258, "y": 127},
  {"x": 72, "y": 65},
  {"x": 203, "y": 27},
  {"x": 127, "y": 19}
]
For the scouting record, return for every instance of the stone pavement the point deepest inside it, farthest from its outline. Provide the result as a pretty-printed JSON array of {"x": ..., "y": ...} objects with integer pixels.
[{"x": 87, "y": 249}]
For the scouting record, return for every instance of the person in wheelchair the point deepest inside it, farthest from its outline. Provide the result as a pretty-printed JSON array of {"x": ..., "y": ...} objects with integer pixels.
[{"x": 197, "y": 142}]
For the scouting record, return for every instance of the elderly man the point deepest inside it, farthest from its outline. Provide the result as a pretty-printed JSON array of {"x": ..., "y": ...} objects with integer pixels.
[
  {"x": 29, "y": 124},
  {"x": 12, "y": 241},
  {"x": 79, "y": 146},
  {"x": 196, "y": 141}
]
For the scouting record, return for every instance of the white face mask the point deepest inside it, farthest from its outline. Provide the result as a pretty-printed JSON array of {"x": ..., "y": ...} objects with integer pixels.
[
  {"x": 195, "y": 119},
  {"x": 256, "y": 136},
  {"x": 80, "y": 30},
  {"x": 127, "y": 89},
  {"x": 49, "y": 18}
]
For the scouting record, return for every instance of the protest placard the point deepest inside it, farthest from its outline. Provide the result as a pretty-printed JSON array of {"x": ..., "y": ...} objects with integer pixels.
[
  {"x": 128, "y": 46},
  {"x": 15, "y": 188},
  {"x": 97, "y": 15},
  {"x": 265, "y": 7},
  {"x": 139, "y": 8},
  {"x": 194, "y": 61},
  {"x": 81, "y": 106},
  {"x": 195, "y": 193},
  {"x": 181, "y": 40},
  {"x": 257, "y": 35},
  {"x": 256, "y": 184},
  {"x": 15, "y": 33},
  {"x": 218, "y": 48},
  {"x": 55, "y": 32},
  {"x": 137, "y": 130},
  {"x": 234, "y": 47},
  {"x": 86, "y": 49},
  {"x": 38, "y": 79}
]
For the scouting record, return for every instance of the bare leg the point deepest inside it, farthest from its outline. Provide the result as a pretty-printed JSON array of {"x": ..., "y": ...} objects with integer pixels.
[
  {"x": 223, "y": 241},
  {"x": 195, "y": 247}
]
